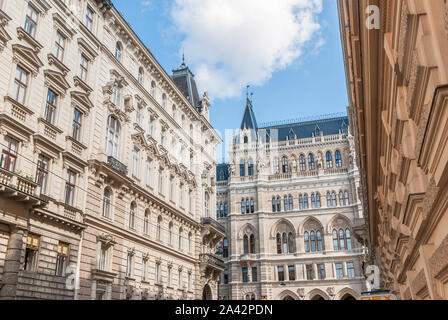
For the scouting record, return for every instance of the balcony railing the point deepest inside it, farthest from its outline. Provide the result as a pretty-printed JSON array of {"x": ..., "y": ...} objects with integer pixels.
[
  {"x": 19, "y": 183},
  {"x": 117, "y": 165},
  {"x": 214, "y": 223},
  {"x": 212, "y": 260}
]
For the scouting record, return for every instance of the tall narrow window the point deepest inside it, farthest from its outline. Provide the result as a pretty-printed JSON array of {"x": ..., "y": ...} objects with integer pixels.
[
  {"x": 285, "y": 203},
  {"x": 243, "y": 206},
  {"x": 279, "y": 204},
  {"x": 164, "y": 101},
  {"x": 42, "y": 173},
  {"x": 32, "y": 249},
  {"x": 180, "y": 238},
  {"x": 341, "y": 198},
  {"x": 274, "y": 206},
  {"x": 162, "y": 136},
  {"x": 77, "y": 123},
  {"x": 146, "y": 223},
  {"x": 226, "y": 209},
  {"x": 285, "y": 165},
  {"x": 159, "y": 228},
  {"x": 247, "y": 206},
  {"x": 313, "y": 201},
  {"x": 161, "y": 181},
  {"x": 112, "y": 137},
  {"x": 329, "y": 159},
  {"x": 242, "y": 168},
  {"x": 321, "y": 269},
  {"x": 138, "y": 115},
  {"x": 9, "y": 154},
  {"x": 31, "y": 20},
  {"x": 20, "y": 84},
  {"x": 144, "y": 268},
  {"x": 302, "y": 163},
  {"x": 171, "y": 188},
  {"x": 335, "y": 240},
  {"x": 245, "y": 274},
  {"x": 279, "y": 243},
  {"x": 318, "y": 200},
  {"x": 291, "y": 243},
  {"x": 70, "y": 187},
  {"x": 251, "y": 168},
  {"x": 252, "y": 244},
  {"x": 62, "y": 259},
  {"x": 305, "y": 201},
  {"x": 148, "y": 173},
  {"x": 348, "y": 239},
  {"x": 225, "y": 248},
  {"x": 246, "y": 244},
  {"x": 151, "y": 126},
  {"x": 341, "y": 240},
  {"x": 129, "y": 265},
  {"x": 252, "y": 206},
  {"x": 50, "y": 107},
  {"x": 83, "y": 68},
  {"x": 350, "y": 270},
  {"x": 346, "y": 198},
  {"x": 153, "y": 89},
  {"x": 181, "y": 195},
  {"x": 300, "y": 202},
  {"x": 107, "y": 203},
  {"x": 118, "y": 51},
  {"x": 132, "y": 213},
  {"x": 140, "y": 76},
  {"x": 291, "y": 203},
  {"x": 333, "y": 199},
  {"x": 254, "y": 274},
  {"x": 88, "y": 20},
  {"x": 207, "y": 204},
  {"x": 328, "y": 200},
  {"x": 339, "y": 271},
  {"x": 307, "y": 242},
  {"x": 285, "y": 243},
  {"x": 59, "y": 46},
  {"x": 313, "y": 241},
  {"x": 117, "y": 95},
  {"x": 135, "y": 158},
  {"x": 292, "y": 273},
  {"x": 338, "y": 158},
  {"x": 319, "y": 241},
  {"x": 281, "y": 273},
  {"x": 311, "y": 162},
  {"x": 102, "y": 258}
]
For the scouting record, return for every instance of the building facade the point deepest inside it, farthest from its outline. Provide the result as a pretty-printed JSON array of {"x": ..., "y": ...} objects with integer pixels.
[
  {"x": 289, "y": 201},
  {"x": 107, "y": 174},
  {"x": 396, "y": 58}
]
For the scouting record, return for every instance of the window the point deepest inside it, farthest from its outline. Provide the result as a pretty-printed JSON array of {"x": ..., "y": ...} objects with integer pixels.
[
  {"x": 242, "y": 168},
  {"x": 138, "y": 115},
  {"x": 252, "y": 206},
  {"x": 348, "y": 239},
  {"x": 226, "y": 276},
  {"x": 118, "y": 51},
  {"x": 9, "y": 154},
  {"x": 77, "y": 122},
  {"x": 321, "y": 269},
  {"x": 346, "y": 198},
  {"x": 179, "y": 279},
  {"x": 62, "y": 259},
  {"x": 112, "y": 137},
  {"x": 243, "y": 206},
  {"x": 307, "y": 242},
  {"x": 42, "y": 173},
  {"x": 171, "y": 188},
  {"x": 50, "y": 107},
  {"x": 292, "y": 273},
  {"x": 335, "y": 240},
  {"x": 83, "y": 68},
  {"x": 313, "y": 241},
  {"x": 31, "y": 20},
  {"x": 159, "y": 228},
  {"x": 102, "y": 258},
  {"x": 319, "y": 241},
  {"x": 129, "y": 265},
  {"x": 339, "y": 271},
  {"x": 59, "y": 46},
  {"x": 157, "y": 273},
  {"x": 20, "y": 84},
  {"x": 180, "y": 238},
  {"x": 276, "y": 166},
  {"x": 164, "y": 100},
  {"x": 318, "y": 200},
  {"x": 70, "y": 187},
  {"x": 274, "y": 206},
  {"x": 291, "y": 202},
  {"x": 341, "y": 198},
  {"x": 300, "y": 202},
  {"x": 285, "y": 203},
  {"x": 302, "y": 163},
  {"x": 350, "y": 270},
  {"x": 284, "y": 165},
  {"x": 291, "y": 243},
  {"x": 88, "y": 20},
  {"x": 329, "y": 159},
  {"x": 281, "y": 273},
  {"x": 246, "y": 244},
  {"x": 117, "y": 95},
  {"x": 245, "y": 140},
  {"x": 146, "y": 223},
  {"x": 305, "y": 201},
  {"x": 170, "y": 233},
  {"x": 32, "y": 249},
  {"x": 144, "y": 268},
  {"x": 148, "y": 173},
  {"x": 328, "y": 200},
  {"x": 162, "y": 136},
  {"x": 153, "y": 89},
  {"x": 151, "y": 126},
  {"x": 225, "y": 248},
  {"x": 226, "y": 209},
  {"x": 338, "y": 158},
  {"x": 251, "y": 168},
  {"x": 189, "y": 242},
  {"x": 174, "y": 113},
  {"x": 140, "y": 76},
  {"x": 313, "y": 201},
  {"x": 254, "y": 274},
  {"x": 132, "y": 211},
  {"x": 252, "y": 244},
  {"x": 309, "y": 272},
  {"x": 135, "y": 157},
  {"x": 160, "y": 180},
  {"x": 311, "y": 162},
  {"x": 245, "y": 275},
  {"x": 207, "y": 204},
  {"x": 107, "y": 203},
  {"x": 284, "y": 243},
  {"x": 341, "y": 240},
  {"x": 181, "y": 196},
  {"x": 333, "y": 199},
  {"x": 279, "y": 243}
]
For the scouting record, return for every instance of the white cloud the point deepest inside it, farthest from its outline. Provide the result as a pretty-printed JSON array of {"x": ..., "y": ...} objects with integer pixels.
[
  {"x": 146, "y": 5},
  {"x": 232, "y": 43}
]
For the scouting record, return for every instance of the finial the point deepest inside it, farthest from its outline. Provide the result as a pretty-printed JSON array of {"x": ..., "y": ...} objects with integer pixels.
[
  {"x": 183, "y": 58},
  {"x": 247, "y": 91}
]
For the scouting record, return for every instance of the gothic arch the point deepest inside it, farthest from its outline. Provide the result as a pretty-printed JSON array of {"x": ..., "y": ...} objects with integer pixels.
[
  {"x": 310, "y": 223},
  {"x": 247, "y": 229},
  {"x": 288, "y": 227},
  {"x": 315, "y": 293},
  {"x": 287, "y": 293},
  {"x": 339, "y": 221},
  {"x": 347, "y": 292}
]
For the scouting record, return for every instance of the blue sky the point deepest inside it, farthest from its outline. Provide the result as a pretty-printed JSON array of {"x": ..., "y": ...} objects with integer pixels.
[{"x": 301, "y": 75}]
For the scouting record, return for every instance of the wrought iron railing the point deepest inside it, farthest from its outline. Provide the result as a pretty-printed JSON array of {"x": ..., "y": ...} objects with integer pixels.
[
  {"x": 214, "y": 223},
  {"x": 212, "y": 259},
  {"x": 117, "y": 165}
]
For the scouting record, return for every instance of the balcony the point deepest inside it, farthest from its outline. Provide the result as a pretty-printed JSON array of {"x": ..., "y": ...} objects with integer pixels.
[
  {"x": 211, "y": 265},
  {"x": 117, "y": 165},
  {"x": 19, "y": 188},
  {"x": 215, "y": 224}
]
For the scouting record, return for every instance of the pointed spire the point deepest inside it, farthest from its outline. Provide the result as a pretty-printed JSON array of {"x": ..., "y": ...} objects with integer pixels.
[{"x": 249, "y": 121}]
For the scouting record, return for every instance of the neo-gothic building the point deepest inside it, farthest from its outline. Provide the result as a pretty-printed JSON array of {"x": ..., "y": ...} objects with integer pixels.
[
  {"x": 107, "y": 173},
  {"x": 289, "y": 202}
]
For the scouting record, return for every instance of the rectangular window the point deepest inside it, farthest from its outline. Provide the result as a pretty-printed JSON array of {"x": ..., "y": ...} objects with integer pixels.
[
  {"x": 254, "y": 274},
  {"x": 339, "y": 271},
  {"x": 172, "y": 188},
  {"x": 350, "y": 270},
  {"x": 226, "y": 276},
  {"x": 138, "y": 116},
  {"x": 321, "y": 268},
  {"x": 161, "y": 181},
  {"x": 50, "y": 107},
  {"x": 32, "y": 249},
  {"x": 102, "y": 259},
  {"x": 42, "y": 173},
  {"x": 59, "y": 46},
  {"x": 151, "y": 126},
  {"x": 181, "y": 195},
  {"x": 157, "y": 275},
  {"x": 281, "y": 273},
  {"x": 62, "y": 259},
  {"x": 169, "y": 277},
  {"x": 148, "y": 173},
  {"x": 245, "y": 278},
  {"x": 292, "y": 273},
  {"x": 146, "y": 223},
  {"x": 84, "y": 64},
  {"x": 117, "y": 95},
  {"x": 20, "y": 85},
  {"x": 9, "y": 154},
  {"x": 190, "y": 201},
  {"x": 179, "y": 280},
  {"x": 88, "y": 21},
  {"x": 309, "y": 272},
  {"x": 31, "y": 20},
  {"x": 129, "y": 265},
  {"x": 70, "y": 187},
  {"x": 135, "y": 156},
  {"x": 189, "y": 282},
  {"x": 144, "y": 267},
  {"x": 77, "y": 122}
]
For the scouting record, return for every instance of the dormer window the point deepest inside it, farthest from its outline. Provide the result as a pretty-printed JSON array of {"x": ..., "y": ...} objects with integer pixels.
[
  {"x": 31, "y": 20},
  {"x": 118, "y": 51}
]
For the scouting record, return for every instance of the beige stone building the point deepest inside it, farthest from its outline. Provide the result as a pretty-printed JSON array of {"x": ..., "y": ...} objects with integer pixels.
[
  {"x": 396, "y": 58},
  {"x": 289, "y": 201},
  {"x": 107, "y": 174}
]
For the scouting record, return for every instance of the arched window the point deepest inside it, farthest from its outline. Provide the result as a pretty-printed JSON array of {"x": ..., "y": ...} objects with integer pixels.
[
  {"x": 333, "y": 199},
  {"x": 348, "y": 239},
  {"x": 170, "y": 233},
  {"x": 159, "y": 228},
  {"x": 245, "y": 140},
  {"x": 189, "y": 242},
  {"x": 329, "y": 158},
  {"x": 307, "y": 242},
  {"x": 302, "y": 163},
  {"x": 118, "y": 51},
  {"x": 247, "y": 206},
  {"x": 274, "y": 206},
  {"x": 328, "y": 200},
  {"x": 285, "y": 165},
  {"x": 291, "y": 203},
  {"x": 313, "y": 201},
  {"x": 318, "y": 200},
  {"x": 242, "y": 168},
  {"x": 252, "y": 206},
  {"x": 279, "y": 243},
  {"x": 153, "y": 89},
  {"x": 107, "y": 203},
  {"x": 311, "y": 162},
  {"x": 252, "y": 244},
  {"x": 319, "y": 241},
  {"x": 346, "y": 198},
  {"x": 305, "y": 201},
  {"x": 335, "y": 240},
  {"x": 243, "y": 206},
  {"x": 285, "y": 203},
  {"x": 207, "y": 204},
  {"x": 276, "y": 166},
  {"x": 246, "y": 244},
  {"x": 341, "y": 198},
  {"x": 146, "y": 223},
  {"x": 300, "y": 202},
  {"x": 221, "y": 210},
  {"x": 285, "y": 243},
  {"x": 226, "y": 209},
  {"x": 338, "y": 158},
  {"x": 112, "y": 137},
  {"x": 164, "y": 101},
  {"x": 174, "y": 112},
  {"x": 132, "y": 215},
  {"x": 279, "y": 204},
  {"x": 251, "y": 168},
  {"x": 291, "y": 243},
  {"x": 341, "y": 240},
  {"x": 313, "y": 241},
  {"x": 140, "y": 75},
  {"x": 180, "y": 238}
]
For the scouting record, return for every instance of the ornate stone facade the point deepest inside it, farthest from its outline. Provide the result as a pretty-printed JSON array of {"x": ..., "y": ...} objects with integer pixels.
[
  {"x": 397, "y": 82},
  {"x": 107, "y": 169},
  {"x": 289, "y": 201}
]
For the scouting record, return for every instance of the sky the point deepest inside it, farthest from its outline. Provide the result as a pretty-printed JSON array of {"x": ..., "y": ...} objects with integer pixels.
[{"x": 288, "y": 51}]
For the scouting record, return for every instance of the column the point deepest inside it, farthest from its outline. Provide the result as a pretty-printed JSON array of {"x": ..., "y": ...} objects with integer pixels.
[
  {"x": 12, "y": 264},
  {"x": 286, "y": 272},
  {"x": 315, "y": 274},
  {"x": 344, "y": 269}
]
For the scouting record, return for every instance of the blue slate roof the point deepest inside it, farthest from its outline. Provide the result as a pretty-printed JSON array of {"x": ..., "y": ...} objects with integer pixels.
[
  {"x": 222, "y": 172},
  {"x": 249, "y": 121}
]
